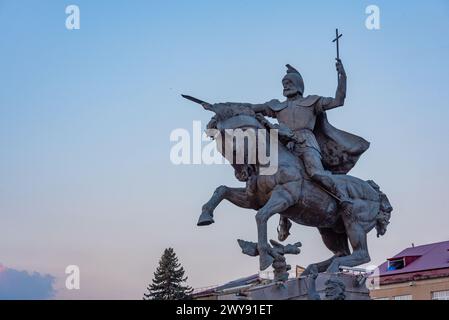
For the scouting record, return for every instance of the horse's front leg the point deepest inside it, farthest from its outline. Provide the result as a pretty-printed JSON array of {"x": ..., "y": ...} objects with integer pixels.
[
  {"x": 282, "y": 197},
  {"x": 237, "y": 196}
]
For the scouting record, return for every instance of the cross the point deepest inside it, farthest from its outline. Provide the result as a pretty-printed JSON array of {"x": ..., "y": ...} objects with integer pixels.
[{"x": 337, "y": 36}]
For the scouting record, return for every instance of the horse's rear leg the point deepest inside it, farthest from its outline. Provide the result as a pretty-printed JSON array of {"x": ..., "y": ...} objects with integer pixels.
[
  {"x": 357, "y": 238},
  {"x": 335, "y": 242},
  {"x": 237, "y": 196}
]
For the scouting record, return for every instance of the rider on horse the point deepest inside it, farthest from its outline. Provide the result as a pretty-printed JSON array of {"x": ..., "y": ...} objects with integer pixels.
[
  {"x": 323, "y": 149},
  {"x": 318, "y": 149}
]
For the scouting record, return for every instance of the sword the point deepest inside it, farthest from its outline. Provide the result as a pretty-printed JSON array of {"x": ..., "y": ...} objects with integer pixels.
[
  {"x": 193, "y": 99},
  {"x": 205, "y": 104}
]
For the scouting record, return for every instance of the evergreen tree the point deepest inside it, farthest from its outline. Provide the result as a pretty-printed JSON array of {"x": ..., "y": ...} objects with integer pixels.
[{"x": 168, "y": 280}]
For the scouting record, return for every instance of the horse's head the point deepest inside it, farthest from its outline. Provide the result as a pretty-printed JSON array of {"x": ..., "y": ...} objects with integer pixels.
[
  {"x": 243, "y": 140},
  {"x": 232, "y": 116}
]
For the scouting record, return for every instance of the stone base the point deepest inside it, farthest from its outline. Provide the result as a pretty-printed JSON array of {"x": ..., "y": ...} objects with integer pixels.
[{"x": 300, "y": 289}]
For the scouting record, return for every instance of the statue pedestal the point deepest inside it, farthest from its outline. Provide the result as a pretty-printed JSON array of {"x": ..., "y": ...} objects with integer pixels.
[{"x": 325, "y": 287}]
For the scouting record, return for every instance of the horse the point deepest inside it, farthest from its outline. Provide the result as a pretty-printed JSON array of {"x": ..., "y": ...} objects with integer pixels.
[{"x": 291, "y": 194}]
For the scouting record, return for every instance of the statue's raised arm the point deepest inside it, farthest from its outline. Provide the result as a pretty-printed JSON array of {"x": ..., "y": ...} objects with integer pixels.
[{"x": 340, "y": 94}]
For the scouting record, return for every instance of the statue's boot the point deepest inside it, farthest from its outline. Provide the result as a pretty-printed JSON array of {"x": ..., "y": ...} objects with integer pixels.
[{"x": 329, "y": 184}]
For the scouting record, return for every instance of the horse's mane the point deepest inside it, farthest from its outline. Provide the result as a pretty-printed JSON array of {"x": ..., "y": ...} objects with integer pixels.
[{"x": 228, "y": 110}]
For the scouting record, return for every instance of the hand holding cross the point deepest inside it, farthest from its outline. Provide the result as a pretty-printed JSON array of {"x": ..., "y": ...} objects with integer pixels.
[
  {"x": 339, "y": 65},
  {"x": 337, "y": 36}
]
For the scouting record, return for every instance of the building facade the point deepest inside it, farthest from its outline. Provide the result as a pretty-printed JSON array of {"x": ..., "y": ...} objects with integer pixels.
[{"x": 416, "y": 273}]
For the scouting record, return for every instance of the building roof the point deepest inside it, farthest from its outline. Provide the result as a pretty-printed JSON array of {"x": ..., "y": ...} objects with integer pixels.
[
  {"x": 240, "y": 282},
  {"x": 253, "y": 279},
  {"x": 423, "y": 258}
]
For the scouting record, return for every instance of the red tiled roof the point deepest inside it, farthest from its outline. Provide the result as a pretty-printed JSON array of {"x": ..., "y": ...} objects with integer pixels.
[{"x": 430, "y": 257}]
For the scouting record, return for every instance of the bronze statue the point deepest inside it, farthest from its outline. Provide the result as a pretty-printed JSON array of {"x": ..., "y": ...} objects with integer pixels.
[
  {"x": 319, "y": 145},
  {"x": 311, "y": 186}
]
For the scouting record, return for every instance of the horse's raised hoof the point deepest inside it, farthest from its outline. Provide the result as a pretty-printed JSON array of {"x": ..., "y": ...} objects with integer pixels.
[
  {"x": 205, "y": 219},
  {"x": 265, "y": 261}
]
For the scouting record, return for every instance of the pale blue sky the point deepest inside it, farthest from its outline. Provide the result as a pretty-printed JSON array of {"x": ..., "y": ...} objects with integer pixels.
[{"x": 85, "y": 119}]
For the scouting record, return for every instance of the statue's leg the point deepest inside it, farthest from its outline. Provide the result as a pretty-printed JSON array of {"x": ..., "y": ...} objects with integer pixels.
[
  {"x": 282, "y": 197},
  {"x": 357, "y": 237},
  {"x": 237, "y": 196},
  {"x": 311, "y": 159},
  {"x": 335, "y": 242},
  {"x": 314, "y": 168},
  {"x": 240, "y": 198}
]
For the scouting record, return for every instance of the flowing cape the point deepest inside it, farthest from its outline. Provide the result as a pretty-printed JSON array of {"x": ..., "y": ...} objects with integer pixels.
[{"x": 340, "y": 150}]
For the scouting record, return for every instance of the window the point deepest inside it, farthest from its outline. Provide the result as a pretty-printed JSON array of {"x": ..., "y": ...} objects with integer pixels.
[
  {"x": 403, "y": 297},
  {"x": 395, "y": 264},
  {"x": 383, "y": 298},
  {"x": 440, "y": 295},
  {"x": 401, "y": 262}
]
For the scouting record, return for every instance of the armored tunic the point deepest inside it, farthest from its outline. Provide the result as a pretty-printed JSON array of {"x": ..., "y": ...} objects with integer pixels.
[
  {"x": 300, "y": 116},
  {"x": 306, "y": 117}
]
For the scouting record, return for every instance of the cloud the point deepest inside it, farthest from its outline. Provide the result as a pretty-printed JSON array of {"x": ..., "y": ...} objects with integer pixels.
[{"x": 17, "y": 285}]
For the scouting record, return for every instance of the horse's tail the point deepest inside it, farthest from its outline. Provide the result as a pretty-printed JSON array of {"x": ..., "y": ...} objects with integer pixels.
[{"x": 383, "y": 217}]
